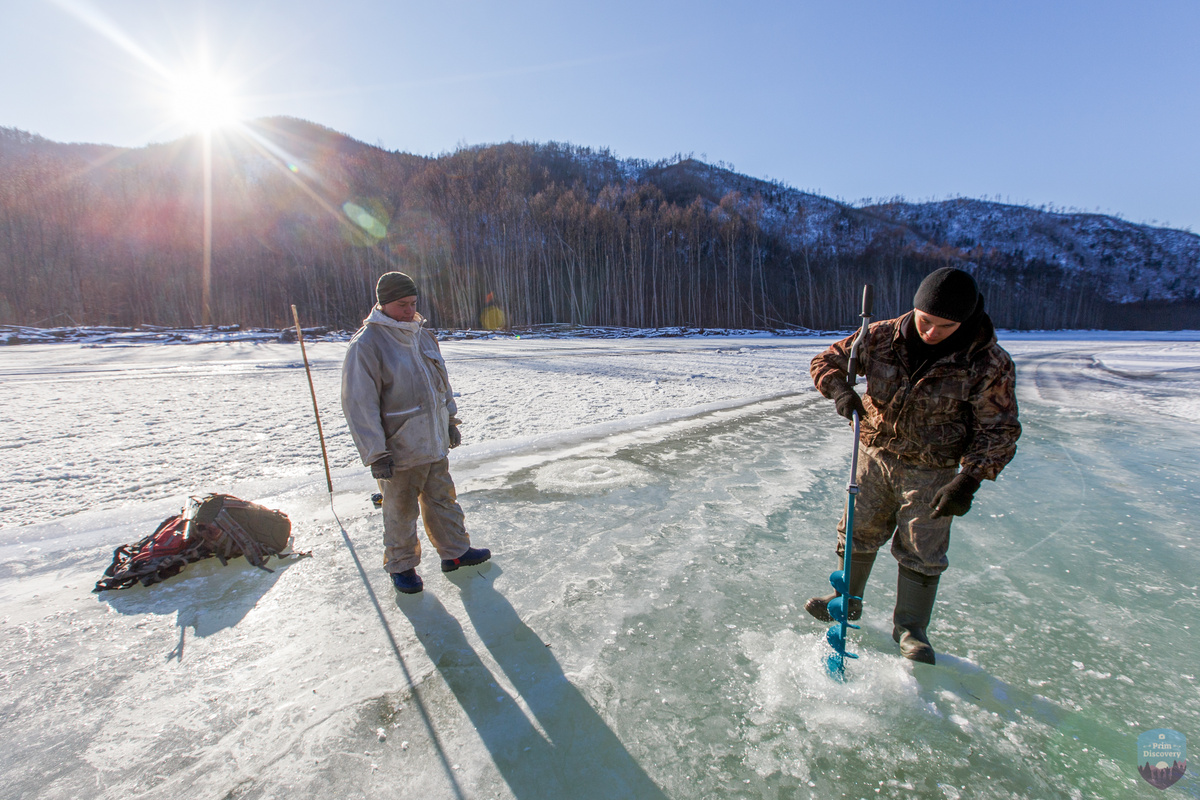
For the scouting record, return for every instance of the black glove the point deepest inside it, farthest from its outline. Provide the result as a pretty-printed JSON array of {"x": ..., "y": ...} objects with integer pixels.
[
  {"x": 848, "y": 402},
  {"x": 954, "y": 499},
  {"x": 381, "y": 470},
  {"x": 455, "y": 436}
]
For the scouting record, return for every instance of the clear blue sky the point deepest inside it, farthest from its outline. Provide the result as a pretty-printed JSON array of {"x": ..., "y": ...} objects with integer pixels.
[{"x": 1089, "y": 105}]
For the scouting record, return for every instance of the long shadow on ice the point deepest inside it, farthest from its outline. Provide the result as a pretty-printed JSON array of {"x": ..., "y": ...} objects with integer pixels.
[
  {"x": 205, "y": 597},
  {"x": 973, "y": 684},
  {"x": 566, "y": 749}
]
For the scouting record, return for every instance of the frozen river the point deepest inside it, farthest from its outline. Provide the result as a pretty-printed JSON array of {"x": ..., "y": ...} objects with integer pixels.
[{"x": 659, "y": 511}]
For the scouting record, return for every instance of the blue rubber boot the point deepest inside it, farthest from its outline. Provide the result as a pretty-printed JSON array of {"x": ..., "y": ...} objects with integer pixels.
[
  {"x": 473, "y": 556},
  {"x": 408, "y": 582}
]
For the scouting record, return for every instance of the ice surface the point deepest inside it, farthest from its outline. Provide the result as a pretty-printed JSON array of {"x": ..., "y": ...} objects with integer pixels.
[
  {"x": 588, "y": 475},
  {"x": 659, "y": 511}
]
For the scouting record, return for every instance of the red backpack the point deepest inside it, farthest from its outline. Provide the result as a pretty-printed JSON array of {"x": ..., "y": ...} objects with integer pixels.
[{"x": 218, "y": 525}]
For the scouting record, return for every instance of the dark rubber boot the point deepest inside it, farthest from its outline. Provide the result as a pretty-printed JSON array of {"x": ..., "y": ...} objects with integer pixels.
[
  {"x": 473, "y": 556},
  {"x": 915, "y": 594},
  {"x": 860, "y": 570},
  {"x": 408, "y": 582}
]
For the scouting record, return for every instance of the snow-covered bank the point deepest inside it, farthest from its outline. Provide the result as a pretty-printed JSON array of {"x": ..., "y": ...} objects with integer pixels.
[
  {"x": 659, "y": 510},
  {"x": 102, "y": 336}
]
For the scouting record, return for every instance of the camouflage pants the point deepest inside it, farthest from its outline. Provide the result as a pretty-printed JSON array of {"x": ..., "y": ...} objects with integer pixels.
[
  {"x": 429, "y": 490},
  {"x": 893, "y": 502}
]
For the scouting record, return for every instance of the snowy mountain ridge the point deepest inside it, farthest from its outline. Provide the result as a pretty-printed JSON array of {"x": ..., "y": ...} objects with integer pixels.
[
  {"x": 504, "y": 212},
  {"x": 1132, "y": 262},
  {"x": 1129, "y": 262}
]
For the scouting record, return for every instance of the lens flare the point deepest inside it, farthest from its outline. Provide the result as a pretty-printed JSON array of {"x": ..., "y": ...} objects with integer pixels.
[
  {"x": 365, "y": 220},
  {"x": 492, "y": 318}
]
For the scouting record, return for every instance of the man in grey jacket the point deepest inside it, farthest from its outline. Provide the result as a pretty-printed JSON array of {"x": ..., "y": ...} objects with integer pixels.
[{"x": 397, "y": 401}]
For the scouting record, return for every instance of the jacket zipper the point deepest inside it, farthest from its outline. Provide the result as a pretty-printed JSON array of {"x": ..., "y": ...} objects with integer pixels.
[{"x": 433, "y": 422}]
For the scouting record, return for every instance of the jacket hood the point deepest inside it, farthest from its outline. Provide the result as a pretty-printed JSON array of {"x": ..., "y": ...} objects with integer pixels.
[
  {"x": 985, "y": 337},
  {"x": 377, "y": 317}
]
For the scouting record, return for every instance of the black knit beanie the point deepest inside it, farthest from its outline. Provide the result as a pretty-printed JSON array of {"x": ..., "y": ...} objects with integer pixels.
[
  {"x": 948, "y": 293},
  {"x": 393, "y": 286}
]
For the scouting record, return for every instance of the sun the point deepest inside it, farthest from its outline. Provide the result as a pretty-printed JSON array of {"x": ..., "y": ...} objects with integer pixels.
[{"x": 203, "y": 101}]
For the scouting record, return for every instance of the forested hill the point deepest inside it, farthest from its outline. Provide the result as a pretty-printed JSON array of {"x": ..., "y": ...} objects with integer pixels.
[{"x": 513, "y": 235}]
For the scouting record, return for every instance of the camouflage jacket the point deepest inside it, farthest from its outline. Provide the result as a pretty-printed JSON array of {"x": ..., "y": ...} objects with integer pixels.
[{"x": 962, "y": 410}]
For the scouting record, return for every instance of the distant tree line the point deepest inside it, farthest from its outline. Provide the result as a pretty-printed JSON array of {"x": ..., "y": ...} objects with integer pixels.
[{"x": 510, "y": 235}]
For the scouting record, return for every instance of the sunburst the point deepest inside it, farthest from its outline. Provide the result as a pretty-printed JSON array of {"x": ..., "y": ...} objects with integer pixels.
[{"x": 204, "y": 101}]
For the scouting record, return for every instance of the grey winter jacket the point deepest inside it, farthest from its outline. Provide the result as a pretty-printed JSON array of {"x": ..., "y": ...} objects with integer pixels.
[{"x": 395, "y": 392}]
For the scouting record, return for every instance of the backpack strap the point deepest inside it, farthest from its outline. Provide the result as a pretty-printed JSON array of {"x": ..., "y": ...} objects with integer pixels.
[
  {"x": 136, "y": 563},
  {"x": 251, "y": 549}
]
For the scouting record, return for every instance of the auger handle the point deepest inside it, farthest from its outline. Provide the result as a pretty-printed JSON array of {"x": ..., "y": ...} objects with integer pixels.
[{"x": 868, "y": 303}]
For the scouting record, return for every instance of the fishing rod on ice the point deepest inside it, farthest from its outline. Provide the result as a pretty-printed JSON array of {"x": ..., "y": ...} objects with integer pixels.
[
  {"x": 839, "y": 607},
  {"x": 313, "y": 392}
]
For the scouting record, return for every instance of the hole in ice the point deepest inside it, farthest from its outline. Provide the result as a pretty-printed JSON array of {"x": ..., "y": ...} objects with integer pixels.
[{"x": 583, "y": 476}]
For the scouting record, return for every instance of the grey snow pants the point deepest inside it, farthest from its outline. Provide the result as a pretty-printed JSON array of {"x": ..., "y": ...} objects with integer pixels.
[
  {"x": 894, "y": 502},
  {"x": 429, "y": 490}
]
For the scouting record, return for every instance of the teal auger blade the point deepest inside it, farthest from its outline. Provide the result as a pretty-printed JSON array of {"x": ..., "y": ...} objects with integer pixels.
[
  {"x": 837, "y": 639},
  {"x": 836, "y": 636},
  {"x": 836, "y": 666},
  {"x": 839, "y": 609},
  {"x": 838, "y": 580},
  {"x": 836, "y": 663}
]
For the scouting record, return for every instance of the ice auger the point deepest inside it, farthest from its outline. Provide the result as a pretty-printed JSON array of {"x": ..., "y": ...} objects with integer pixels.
[{"x": 839, "y": 607}]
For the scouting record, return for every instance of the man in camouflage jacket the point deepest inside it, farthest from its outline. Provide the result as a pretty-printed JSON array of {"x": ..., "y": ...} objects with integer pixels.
[{"x": 938, "y": 417}]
